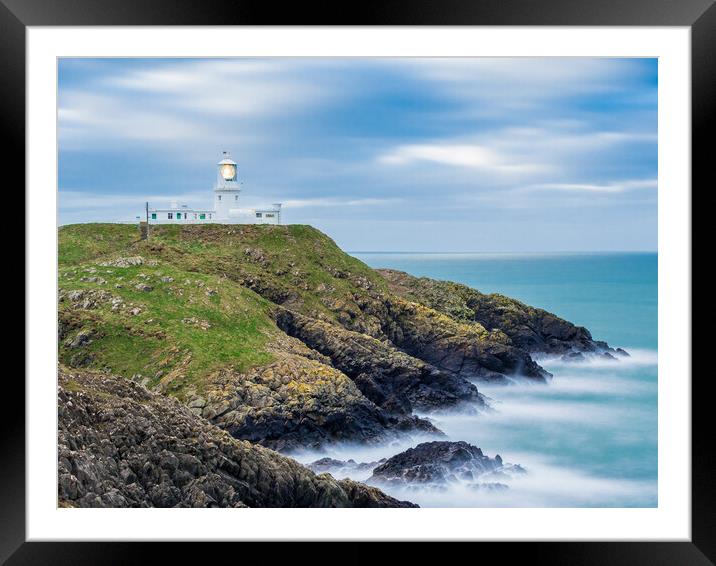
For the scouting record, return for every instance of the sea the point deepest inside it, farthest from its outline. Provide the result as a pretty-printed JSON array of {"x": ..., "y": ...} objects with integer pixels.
[{"x": 588, "y": 438}]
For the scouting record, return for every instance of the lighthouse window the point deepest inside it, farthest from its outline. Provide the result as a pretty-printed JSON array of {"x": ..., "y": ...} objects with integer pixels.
[
  {"x": 170, "y": 215},
  {"x": 154, "y": 215},
  {"x": 202, "y": 217},
  {"x": 219, "y": 197},
  {"x": 236, "y": 197},
  {"x": 269, "y": 216},
  {"x": 259, "y": 215}
]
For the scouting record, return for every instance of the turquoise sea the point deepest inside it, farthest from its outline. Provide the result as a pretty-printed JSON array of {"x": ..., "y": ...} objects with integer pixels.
[{"x": 589, "y": 437}]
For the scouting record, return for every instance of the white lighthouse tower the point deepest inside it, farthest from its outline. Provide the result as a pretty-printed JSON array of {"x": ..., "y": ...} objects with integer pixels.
[
  {"x": 227, "y": 189},
  {"x": 226, "y": 204}
]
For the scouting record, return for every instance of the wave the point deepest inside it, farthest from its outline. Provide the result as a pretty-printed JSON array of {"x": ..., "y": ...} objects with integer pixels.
[
  {"x": 587, "y": 439},
  {"x": 637, "y": 358},
  {"x": 544, "y": 485}
]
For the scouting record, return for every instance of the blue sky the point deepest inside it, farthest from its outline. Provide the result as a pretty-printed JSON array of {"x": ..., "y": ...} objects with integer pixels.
[{"x": 491, "y": 154}]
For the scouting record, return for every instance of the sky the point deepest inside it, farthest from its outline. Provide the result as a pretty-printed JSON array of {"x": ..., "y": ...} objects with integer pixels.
[{"x": 382, "y": 154}]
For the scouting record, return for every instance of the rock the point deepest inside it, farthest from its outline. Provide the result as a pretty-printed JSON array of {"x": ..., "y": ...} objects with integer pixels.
[
  {"x": 121, "y": 446},
  {"x": 255, "y": 254},
  {"x": 193, "y": 321},
  {"x": 87, "y": 299},
  {"x": 93, "y": 279},
  {"x": 325, "y": 464},
  {"x": 197, "y": 402},
  {"x": 167, "y": 279},
  {"x": 298, "y": 402},
  {"x": 435, "y": 462},
  {"x": 124, "y": 262},
  {"x": 82, "y": 338},
  {"x": 623, "y": 353},
  {"x": 573, "y": 357},
  {"x": 388, "y": 377},
  {"x": 338, "y": 468},
  {"x": 143, "y": 287},
  {"x": 528, "y": 328},
  {"x": 469, "y": 351}
]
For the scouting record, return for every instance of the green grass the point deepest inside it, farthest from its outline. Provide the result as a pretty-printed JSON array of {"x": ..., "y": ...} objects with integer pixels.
[
  {"x": 83, "y": 242},
  {"x": 159, "y": 342},
  {"x": 295, "y": 261}
]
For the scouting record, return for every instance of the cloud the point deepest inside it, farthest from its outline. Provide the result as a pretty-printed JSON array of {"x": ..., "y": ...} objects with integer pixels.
[
  {"x": 184, "y": 102},
  {"x": 460, "y": 155},
  {"x": 553, "y": 156},
  {"x": 84, "y": 117},
  {"x": 239, "y": 87},
  {"x": 616, "y": 187},
  {"x": 490, "y": 86}
]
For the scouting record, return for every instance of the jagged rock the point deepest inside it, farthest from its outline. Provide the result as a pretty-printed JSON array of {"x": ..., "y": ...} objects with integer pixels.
[
  {"x": 470, "y": 352},
  {"x": 87, "y": 299},
  {"x": 297, "y": 402},
  {"x": 325, "y": 464},
  {"x": 390, "y": 378},
  {"x": 82, "y": 338},
  {"x": 122, "y": 446},
  {"x": 435, "y": 462},
  {"x": 529, "y": 328}
]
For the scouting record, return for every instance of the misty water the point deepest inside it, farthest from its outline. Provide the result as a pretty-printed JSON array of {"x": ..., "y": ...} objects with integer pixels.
[{"x": 589, "y": 437}]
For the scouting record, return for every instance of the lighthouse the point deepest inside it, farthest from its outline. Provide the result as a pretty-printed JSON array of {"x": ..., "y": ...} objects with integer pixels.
[
  {"x": 226, "y": 204},
  {"x": 227, "y": 188}
]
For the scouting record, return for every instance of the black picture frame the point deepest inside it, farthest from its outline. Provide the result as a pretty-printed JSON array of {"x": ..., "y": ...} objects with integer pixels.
[{"x": 699, "y": 15}]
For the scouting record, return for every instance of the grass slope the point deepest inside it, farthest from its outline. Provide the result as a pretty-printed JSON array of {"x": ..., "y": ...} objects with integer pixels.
[
  {"x": 189, "y": 310},
  {"x": 171, "y": 326}
]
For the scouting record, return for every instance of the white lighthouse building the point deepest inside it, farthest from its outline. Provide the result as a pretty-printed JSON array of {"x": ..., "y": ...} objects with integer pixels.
[{"x": 226, "y": 204}]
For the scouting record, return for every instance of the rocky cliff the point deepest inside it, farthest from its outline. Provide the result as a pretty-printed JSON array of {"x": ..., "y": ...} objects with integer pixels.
[
  {"x": 277, "y": 336},
  {"x": 529, "y": 329},
  {"x": 121, "y": 445}
]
